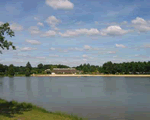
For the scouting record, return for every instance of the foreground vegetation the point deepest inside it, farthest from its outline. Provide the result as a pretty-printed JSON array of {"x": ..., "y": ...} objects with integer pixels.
[{"x": 26, "y": 111}]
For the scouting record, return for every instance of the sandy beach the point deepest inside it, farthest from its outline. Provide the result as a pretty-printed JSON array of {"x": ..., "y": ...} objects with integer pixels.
[{"x": 86, "y": 75}]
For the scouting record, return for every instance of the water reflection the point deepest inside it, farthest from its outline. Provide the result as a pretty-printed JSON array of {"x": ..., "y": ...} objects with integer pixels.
[
  {"x": 1, "y": 84},
  {"x": 41, "y": 89},
  {"x": 109, "y": 85},
  {"x": 28, "y": 88},
  {"x": 11, "y": 87}
]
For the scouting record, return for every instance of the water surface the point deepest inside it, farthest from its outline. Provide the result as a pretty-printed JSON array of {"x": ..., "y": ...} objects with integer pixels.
[{"x": 105, "y": 98}]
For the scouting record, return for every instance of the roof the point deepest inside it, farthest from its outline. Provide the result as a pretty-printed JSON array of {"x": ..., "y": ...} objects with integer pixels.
[{"x": 64, "y": 69}]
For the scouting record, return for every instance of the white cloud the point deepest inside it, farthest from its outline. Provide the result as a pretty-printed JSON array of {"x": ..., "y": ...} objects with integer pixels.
[
  {"x": 137, "y": 55},
  {"x": 54, "y": 55},
  {"x": 60, "y": 4},
  {"x": 56, "y": 29},
  {"x": 87, "y": 47},
  {"x": 70, "y": 33},
  {"x": 115, "y": 56},
  {"x": 1, "y": 23},
  {"x": 41, "y": 57},
  {"x": 84, "y": 59},
  {"x": 40, "y": 24},
  {"x": 28, "y": 48},
  {"x": 139, "y": 20},
  {"x": 114, "y": 31},
  {"x": 85, "y": 56},
  {"x": 35, "y": 18},
  {"x": 48, "y": 33},
  {"x": 141, "y": 25},
  {"x": 112, "y": 52},
  {"x": 52, "y": 48},
  {"x": 75, "y": 49},
  {"x": 120, "y": 45},
  {"x": 34, "y": 42},
  {"x": 34, "y": 30},
  {"x": 53, "y": 21},
  {"x": 16, "y": 27}
]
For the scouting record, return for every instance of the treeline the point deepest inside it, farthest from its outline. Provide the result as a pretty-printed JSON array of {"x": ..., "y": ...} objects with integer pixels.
[
  {"x": 87, "y": 68},
  {"x": 117, "y": 68},
  {"x": 27, "y": 70},
  {"x": 106, "y": 68},
  {"x": 126, "y": 68}
]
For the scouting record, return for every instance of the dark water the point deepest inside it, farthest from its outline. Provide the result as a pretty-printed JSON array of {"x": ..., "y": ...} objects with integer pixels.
[{"x": 96, "y": 98}]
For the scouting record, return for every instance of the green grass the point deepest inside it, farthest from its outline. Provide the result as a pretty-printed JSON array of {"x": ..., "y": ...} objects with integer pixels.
[{"x": 26, "y": 111}]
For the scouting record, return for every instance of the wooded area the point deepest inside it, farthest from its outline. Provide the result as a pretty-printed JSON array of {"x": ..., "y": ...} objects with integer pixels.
[{"x": 106, "y": 68}]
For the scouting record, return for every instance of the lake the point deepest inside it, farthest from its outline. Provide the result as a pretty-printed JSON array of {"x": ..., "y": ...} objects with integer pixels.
[{"x": 96, "y": 98}]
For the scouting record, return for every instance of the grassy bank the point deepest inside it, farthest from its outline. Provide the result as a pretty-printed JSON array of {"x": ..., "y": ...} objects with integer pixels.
[{"x": 27, "y": 111}]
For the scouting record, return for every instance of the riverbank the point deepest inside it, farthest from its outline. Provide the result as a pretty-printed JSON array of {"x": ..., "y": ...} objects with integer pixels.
[
  {"x": 26, "y": 111},
  {"x": 86, "y": 75}
]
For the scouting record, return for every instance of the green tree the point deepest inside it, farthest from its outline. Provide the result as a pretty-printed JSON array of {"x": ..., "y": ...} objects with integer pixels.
[
  {"x": 28, "y": 65},
  {"x": 11, "y": 70},
  {"x": 4, "y": 28},
  {"x": 28, "y": 72},
  {"x": 28, "y": 69},
  {"x": 40, "y": 66}
]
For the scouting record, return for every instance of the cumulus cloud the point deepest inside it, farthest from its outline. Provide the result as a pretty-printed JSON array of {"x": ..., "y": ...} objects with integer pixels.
[
  {"x": 60, "y": 4},
  {"x": 111, "y": 52},
  {"x": 75, "y": 49},
  {"x": 40, "y": 24},
  {"x": 41, "y": 57},
  {"x": 48, "y": 33},
  {"x": 120, "y": 45},
  {"x": 71, "y": 33},
  {"x": 85, "y": 56},
  {"x": 34, "y": 30},
  {"x": 114, "y": 31},
  {"x": 84, "y": 59},
  {"x": 52, "y": 48},
  {"x": 141, "y": 25},
  {"x": 16, "y": 27},
  {"x": 53, "y": 21},
  {"x": 53, "y": 55},
  {"x": 87, "y": 47},
  {"x": 34, "y": 42},
  {"x": 28, "y": 49},
  {"x": 139, "y": 20}
]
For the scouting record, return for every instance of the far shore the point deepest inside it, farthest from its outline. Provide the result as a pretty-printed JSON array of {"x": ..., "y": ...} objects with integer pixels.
[{"x": 86, "y": 75}]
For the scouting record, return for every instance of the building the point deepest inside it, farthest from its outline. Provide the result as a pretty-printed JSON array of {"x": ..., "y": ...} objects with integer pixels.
[{"x": 64, "y": 70}]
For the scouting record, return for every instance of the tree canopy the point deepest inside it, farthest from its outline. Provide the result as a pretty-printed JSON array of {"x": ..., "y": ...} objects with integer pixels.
[{"x": 4, "y": 28}]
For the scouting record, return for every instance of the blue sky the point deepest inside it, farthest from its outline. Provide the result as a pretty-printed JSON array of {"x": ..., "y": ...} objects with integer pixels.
[{"x": 73, "y": 32}]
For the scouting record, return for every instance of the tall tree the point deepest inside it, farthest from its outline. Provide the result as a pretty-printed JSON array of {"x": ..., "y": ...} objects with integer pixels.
[
  {"x": 28, "y": 69},
  {"x": 11, "y": 70},
  {"x": 4, "y": 28},
  {"x": 28, "y": 65}
]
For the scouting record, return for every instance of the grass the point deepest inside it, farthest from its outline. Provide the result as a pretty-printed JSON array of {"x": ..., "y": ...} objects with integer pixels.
[{"x": 26, "y": 111}]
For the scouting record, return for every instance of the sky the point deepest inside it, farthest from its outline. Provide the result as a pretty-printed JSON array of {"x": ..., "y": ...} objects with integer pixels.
[{"x": 74, "y": 32}]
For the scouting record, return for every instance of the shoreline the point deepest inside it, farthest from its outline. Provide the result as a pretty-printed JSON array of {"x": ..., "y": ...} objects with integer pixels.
[{"x": 87, "y": 75}]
